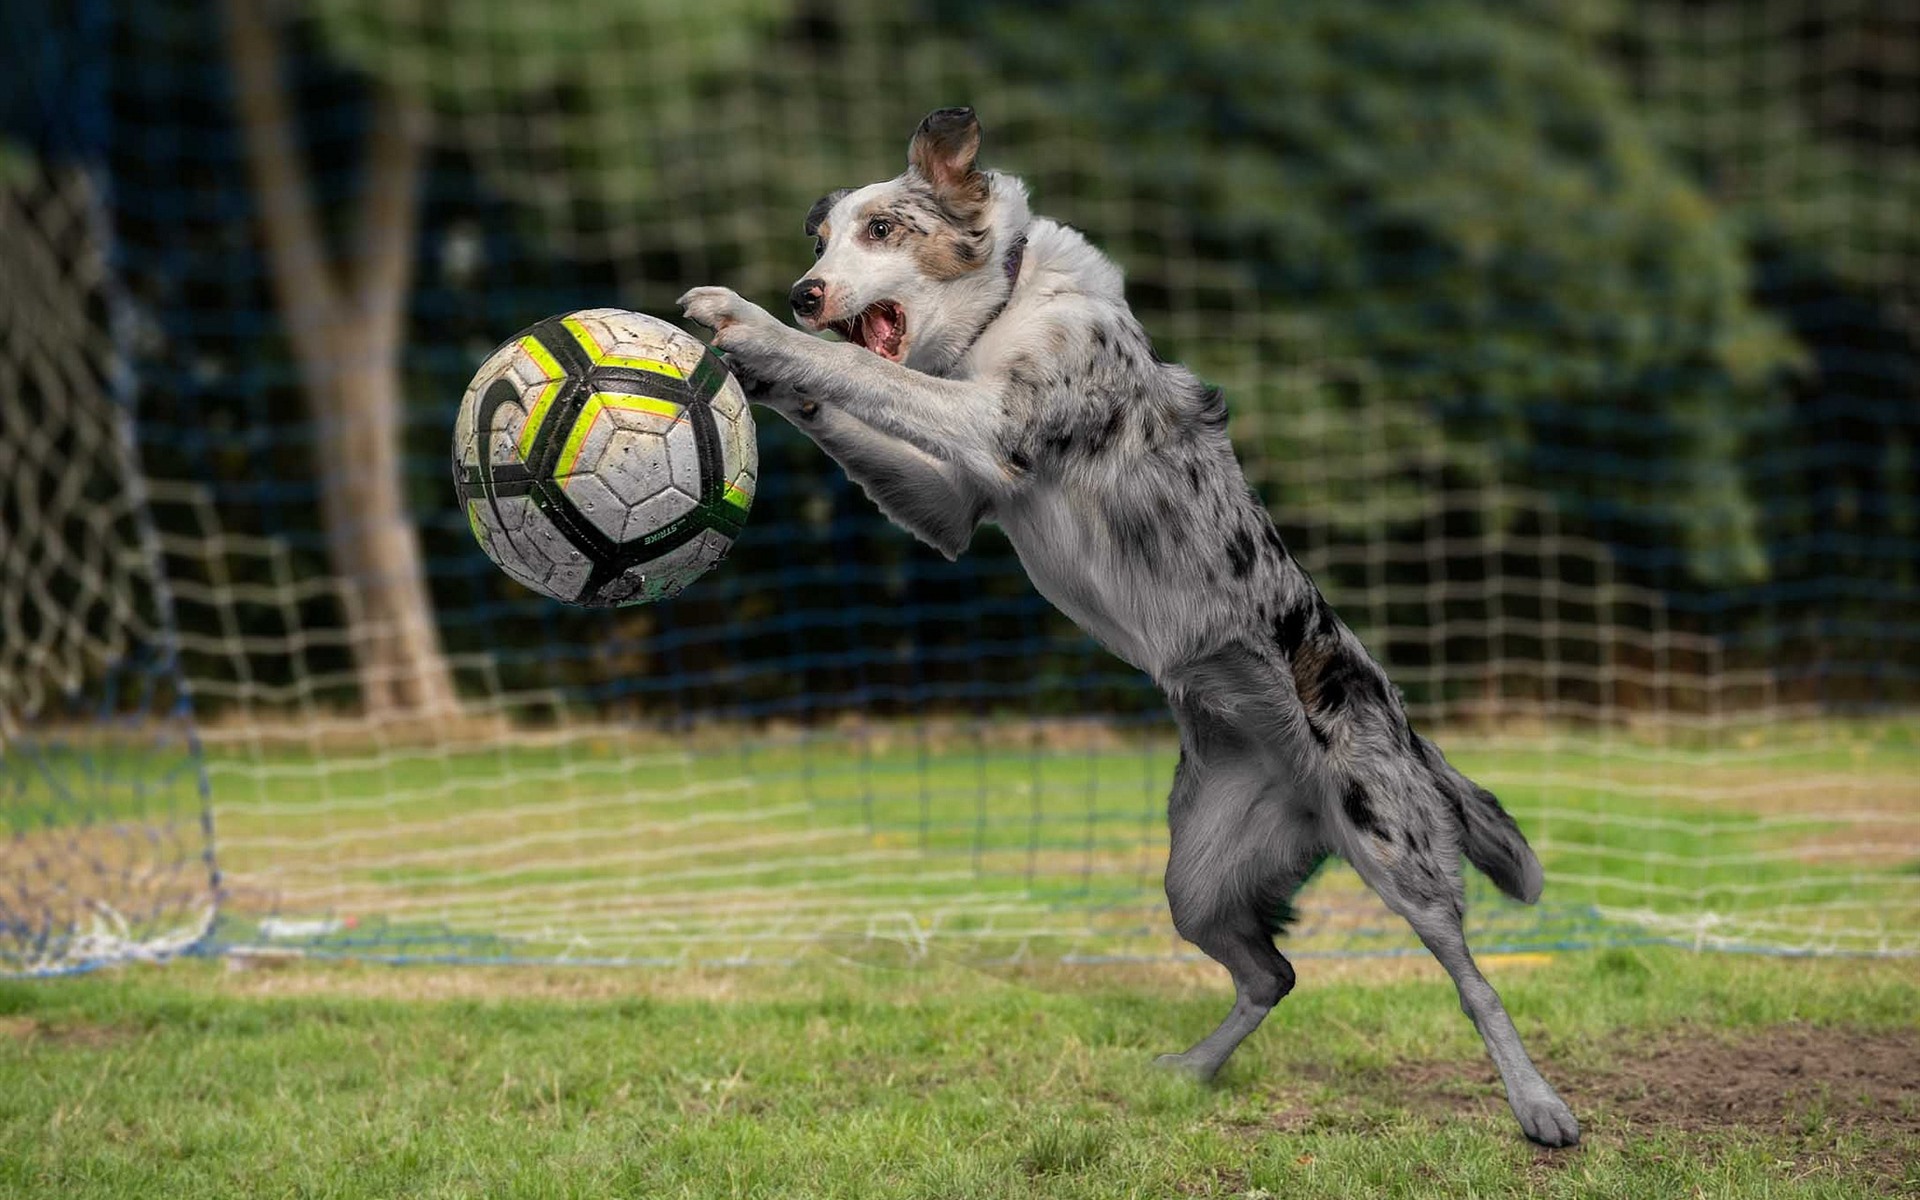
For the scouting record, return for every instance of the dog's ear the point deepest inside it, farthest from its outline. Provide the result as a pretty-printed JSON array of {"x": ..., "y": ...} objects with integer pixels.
[
  {"x": 942, "y": 152},
  {"x": 821, "y": 207}
]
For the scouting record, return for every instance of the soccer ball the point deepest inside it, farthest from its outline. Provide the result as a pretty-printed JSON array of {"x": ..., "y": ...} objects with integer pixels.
[{"x": 604, "y": 457}]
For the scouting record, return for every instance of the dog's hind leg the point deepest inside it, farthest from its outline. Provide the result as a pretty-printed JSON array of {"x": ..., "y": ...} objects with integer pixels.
[
  {"x": 1232, "y": 873},
  {"x": 1423, "y": 886}
]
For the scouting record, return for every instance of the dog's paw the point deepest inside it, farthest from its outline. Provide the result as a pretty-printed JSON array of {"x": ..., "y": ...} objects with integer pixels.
[
  {"x": 722, "y": 309},
  {"x": 797, "y": 409},
  {"x": 1184, "y": 1064},
  {"x": 1546, "y": 1119},
  {"x": 761, "y": 386}
]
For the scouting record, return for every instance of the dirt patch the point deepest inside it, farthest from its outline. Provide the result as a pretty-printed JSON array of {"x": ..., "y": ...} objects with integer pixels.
[
  {"x": 1782, "y": 1078},
  {"x": 1817, "y": 1088},
  {"x": 1814, "y": 1086},
  {"x": 1785, "y": 1077}
]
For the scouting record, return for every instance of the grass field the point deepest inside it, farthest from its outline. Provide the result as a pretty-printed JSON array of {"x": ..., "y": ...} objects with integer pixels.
[
  {"x": 1694, "y": 1075},
  {"x": 916, "y": 1042}
]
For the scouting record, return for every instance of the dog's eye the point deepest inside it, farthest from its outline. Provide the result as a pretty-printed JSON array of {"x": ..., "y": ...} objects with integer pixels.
[
  {"x": 819, "y": 247},
  {"x": 878, "y": 229}
]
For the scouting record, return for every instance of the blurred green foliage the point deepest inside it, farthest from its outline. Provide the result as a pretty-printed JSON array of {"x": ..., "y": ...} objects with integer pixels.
[
  {"x": 1462, "y": 269},
  {"x": 571, "y": 105},
  {"x": 1436, "y": 239},
  {"x": 1460, "y": 239}
]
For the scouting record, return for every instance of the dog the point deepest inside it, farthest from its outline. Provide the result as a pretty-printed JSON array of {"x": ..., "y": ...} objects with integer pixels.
[{"x": 991, "y": 370}]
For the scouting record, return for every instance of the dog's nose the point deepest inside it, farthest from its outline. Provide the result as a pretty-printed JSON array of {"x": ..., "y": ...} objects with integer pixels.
[{"x": 808, "y": 297}]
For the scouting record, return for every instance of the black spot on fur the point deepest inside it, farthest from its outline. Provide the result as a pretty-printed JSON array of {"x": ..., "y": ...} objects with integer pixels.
[
  {"x": 1344, "y": 674},
  {"x": 1193, "y": 475},
  {"x": 1279, "y": 916},
  {"x": 822, "y": 207},
  {"x": 1359, "y": 809},
  {"x": 1363, "y": 676},
  {"x": 1018, "y": 460},
  {"x": 1274, "y": 543},
  {"x": 1137, "y": 531},
  {"x": 1277, "y": 907},
  {"x": 1333, "y": 691},
  {"x": 1213, "y": 407},
  {"x": 1430, "y": 887},
  {"x": 1323, "y": 619},
  {"x": 1240, "y": 553},
  {"x": 1291, "y": 629},
  {"x": 1100, "y": 336},
  {"x": 1319, "y": 734},
  {"x": 1102, "y": 438}
]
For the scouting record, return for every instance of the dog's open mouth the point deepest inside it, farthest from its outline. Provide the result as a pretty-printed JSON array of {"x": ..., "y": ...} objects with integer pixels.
[{"x": 881, "y": 327}]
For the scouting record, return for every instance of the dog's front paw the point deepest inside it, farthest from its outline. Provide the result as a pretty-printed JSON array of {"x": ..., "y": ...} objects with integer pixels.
[
  {"x": 763, "y": 354},
  {"x": 724, "y": 311}
]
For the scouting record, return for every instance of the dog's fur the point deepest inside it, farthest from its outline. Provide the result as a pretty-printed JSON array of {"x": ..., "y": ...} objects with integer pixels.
[{"x": 1027, "y": 394}]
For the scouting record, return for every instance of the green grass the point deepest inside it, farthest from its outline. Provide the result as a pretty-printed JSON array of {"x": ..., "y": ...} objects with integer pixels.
[
  {"x": 939, "y": 1081},
  {"x": 855, "y": 1074}
]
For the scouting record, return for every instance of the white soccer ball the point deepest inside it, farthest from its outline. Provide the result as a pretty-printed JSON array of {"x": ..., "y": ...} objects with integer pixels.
[{"x": 605, "y": 457}]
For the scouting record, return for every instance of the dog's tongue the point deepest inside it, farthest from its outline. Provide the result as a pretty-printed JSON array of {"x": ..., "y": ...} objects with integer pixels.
[{"x": 880, "y": 332}]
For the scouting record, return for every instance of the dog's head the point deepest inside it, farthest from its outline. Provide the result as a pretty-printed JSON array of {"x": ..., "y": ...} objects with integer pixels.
[{"x": 913, "y": 267}]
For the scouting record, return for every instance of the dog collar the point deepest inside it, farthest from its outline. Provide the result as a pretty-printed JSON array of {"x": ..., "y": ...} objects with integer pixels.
[{"x": 1016, "y": 255}]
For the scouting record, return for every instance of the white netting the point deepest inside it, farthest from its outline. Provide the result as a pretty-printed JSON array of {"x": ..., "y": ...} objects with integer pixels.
[
  {"x": 103, "y": 854},
  {"x": 1573, "y": 352}
]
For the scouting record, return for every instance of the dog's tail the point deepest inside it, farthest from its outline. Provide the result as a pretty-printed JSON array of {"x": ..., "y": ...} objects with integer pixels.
[{"x": 1488, "y": 835}]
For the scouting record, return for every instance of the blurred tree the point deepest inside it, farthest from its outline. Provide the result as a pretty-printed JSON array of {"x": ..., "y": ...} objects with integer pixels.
[
  {"x": 345, "y": 323},
  {"x": 477, "y": 62}
]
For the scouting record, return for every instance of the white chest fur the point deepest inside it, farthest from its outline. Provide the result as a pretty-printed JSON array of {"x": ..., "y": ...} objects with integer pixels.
[{"x": 1070, "y": 556}]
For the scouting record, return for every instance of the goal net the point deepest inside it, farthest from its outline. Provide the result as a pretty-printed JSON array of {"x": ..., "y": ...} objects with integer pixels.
[
  {"x": 104, "y": 851},
  {"x": 1574, "y": 350}
]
